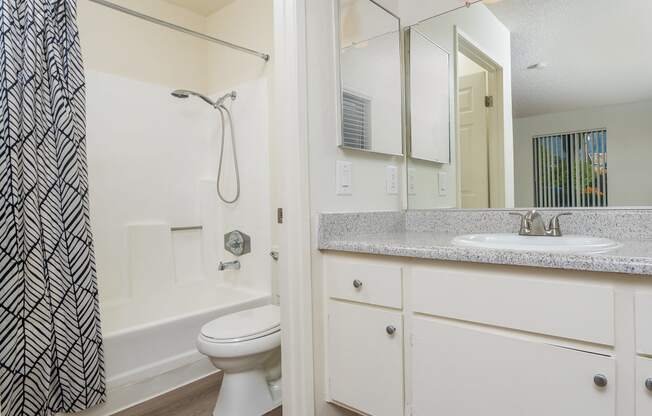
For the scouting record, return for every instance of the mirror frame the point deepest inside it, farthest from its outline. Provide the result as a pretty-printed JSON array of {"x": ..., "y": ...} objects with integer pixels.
[{"x": 337, "y": 45}]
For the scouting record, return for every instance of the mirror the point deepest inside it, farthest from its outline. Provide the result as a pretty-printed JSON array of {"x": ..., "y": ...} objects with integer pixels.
[
  {"x": 551, "y": 105},
  {"x": 429, "y": 78},
  {"x": 371, "y": 84}
]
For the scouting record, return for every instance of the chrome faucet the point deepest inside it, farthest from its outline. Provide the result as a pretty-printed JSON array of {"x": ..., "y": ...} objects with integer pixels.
[
  {"x": 228, "y": 265},
  {"x": 532, "y": 224}
]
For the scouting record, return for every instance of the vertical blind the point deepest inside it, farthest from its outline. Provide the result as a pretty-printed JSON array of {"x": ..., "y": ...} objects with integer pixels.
[
  {"x": 570, "y": 169},
  {"x": 356, "y": 121}
]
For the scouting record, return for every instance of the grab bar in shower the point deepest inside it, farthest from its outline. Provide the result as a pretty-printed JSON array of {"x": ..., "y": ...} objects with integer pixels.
[
  {"x": 182, "y": 29},
  {"x": 187, "y": 228}
]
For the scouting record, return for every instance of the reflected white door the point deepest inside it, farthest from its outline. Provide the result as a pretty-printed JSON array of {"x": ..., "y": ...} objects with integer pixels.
[{"x": 474, "y": 183}]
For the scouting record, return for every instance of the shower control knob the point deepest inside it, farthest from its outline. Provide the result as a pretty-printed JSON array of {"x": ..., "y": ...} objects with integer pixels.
[
  {"x": 648, "y": 384},
  {"x": 391, "y": 330},
  {"x": 237, "y": 243},
  {"x": 600, "y": 380},
  {"x": 357, "y": 284}
]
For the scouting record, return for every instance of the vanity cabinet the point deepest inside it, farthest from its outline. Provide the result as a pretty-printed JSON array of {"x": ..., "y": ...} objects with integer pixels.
[
  {"x": 470, "y": 339},
  {"x": 365, "y": 342},
  {"x": 643, "y": 308},
  {"x": 463, "y": 371},
  {"x": 365, "y": 356},
  {"x": 643, "y": 386}
]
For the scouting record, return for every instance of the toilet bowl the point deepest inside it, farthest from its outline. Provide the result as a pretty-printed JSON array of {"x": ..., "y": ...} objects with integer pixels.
[{"x": 246, "y": 346}]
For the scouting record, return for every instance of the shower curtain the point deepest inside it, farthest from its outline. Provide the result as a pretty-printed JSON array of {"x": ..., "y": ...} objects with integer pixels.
[{"x": 50, "y": 339}]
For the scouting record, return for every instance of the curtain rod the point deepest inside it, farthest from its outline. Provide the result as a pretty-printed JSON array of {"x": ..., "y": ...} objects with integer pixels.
[{"x": 182, "y": 29}]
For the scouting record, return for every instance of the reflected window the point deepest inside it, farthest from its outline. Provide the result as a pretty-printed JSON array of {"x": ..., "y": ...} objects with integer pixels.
[{"x": 570, "y": 169}]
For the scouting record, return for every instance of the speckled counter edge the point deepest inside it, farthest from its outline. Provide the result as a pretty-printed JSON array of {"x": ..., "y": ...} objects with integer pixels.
[{"x": 616, "y": 224}]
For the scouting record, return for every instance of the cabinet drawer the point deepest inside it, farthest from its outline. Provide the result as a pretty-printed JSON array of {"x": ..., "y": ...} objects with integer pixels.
[
  {"x": 457, "y": 371},
  {"x": 643, "y": 391},
  {"x": 365, "y": 361},
  {"x": 644, "y": 322},
  {"x": 365, "y": 282},
  {"x": 540, "y": 305}
]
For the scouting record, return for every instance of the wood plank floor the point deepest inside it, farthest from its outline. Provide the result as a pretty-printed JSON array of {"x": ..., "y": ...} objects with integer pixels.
[{"x": 195, "y": 399}]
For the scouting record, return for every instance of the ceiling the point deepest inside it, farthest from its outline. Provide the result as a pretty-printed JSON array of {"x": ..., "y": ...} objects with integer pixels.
[
  {"x": 597, "y": 52},
  {"x": 202, "y": 7}
]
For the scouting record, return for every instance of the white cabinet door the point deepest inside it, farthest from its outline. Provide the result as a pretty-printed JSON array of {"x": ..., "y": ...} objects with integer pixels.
[
  {"x": 644, "y": 322},
  {"x": 460, "y": 371},
  {"x": 365, "y": 361},
  {"x": 643, "y": 386}
]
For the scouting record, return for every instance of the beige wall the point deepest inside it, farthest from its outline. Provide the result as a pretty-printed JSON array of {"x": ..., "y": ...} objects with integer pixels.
[
  {"x": 123, "y": 45},
  {"x": 248, "y": 23}
]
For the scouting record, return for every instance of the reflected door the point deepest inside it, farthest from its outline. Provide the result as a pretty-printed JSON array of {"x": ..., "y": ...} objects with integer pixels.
[{"x": 474, "y": 184}]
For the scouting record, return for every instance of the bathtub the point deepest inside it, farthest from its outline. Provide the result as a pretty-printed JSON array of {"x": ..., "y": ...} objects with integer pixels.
[{"x": 148, "y": 359}]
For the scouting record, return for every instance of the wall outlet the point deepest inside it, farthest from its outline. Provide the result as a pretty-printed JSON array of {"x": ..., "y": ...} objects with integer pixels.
[
  {"x": 411, "y": 183},
  {"x": 391, "y": 180},
  {"x": 343, "y": 178},
  {"x": 442, "y": 182}
]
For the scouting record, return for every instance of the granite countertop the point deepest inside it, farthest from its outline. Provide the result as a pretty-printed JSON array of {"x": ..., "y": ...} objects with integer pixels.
[{"x": 363, "y": 234}]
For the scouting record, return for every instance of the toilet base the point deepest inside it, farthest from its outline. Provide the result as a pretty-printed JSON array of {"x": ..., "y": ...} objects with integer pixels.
[{"x": 246, "y": 393}]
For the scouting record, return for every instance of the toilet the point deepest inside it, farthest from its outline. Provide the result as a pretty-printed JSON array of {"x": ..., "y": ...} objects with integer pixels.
[{"x": 246, "y": 346}]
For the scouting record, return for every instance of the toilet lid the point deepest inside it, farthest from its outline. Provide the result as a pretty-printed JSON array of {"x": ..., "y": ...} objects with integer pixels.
[{"x": 244, "y": 324}]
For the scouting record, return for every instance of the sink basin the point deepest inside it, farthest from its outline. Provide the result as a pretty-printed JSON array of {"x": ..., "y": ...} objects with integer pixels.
[{"x": 570, "y": 244}]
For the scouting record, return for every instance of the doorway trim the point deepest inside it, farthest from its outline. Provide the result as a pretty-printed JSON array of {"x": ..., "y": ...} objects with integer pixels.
[
  {"x": 290, "y": 128},
  {"x": 495, "y": 119}
]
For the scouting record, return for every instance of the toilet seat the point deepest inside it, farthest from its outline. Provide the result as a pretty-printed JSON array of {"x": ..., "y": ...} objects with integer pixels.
[
  {"x": 243, "y": 326},
  {"x": 240, "y": 334}
]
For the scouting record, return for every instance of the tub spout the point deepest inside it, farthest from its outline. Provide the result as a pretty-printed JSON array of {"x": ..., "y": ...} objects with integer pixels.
[{"x": 229, "y": 265}]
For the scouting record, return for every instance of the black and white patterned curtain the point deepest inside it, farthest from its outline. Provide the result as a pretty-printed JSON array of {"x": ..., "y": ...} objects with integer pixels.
[{"x": 50, "y": 339}]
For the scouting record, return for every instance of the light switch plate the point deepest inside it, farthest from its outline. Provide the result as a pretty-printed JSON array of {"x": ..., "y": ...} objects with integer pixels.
[
  {"x": 442, "y": 181},
  {"x": 391, "y": 180},
  {"x": 344, "y": 178},
  {"x": 412, "y": 177}
]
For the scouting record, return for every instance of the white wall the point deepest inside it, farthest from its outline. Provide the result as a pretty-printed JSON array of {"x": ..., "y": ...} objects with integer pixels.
[
  {"x": 629, "y": 146},
  {"x": 479, "y": 26},
  {"x": 414, "y": 11},
  {"x": 369, "y": 192},
  {"x": 374, "y": 72},
  {"x": 368, "y": 169}
]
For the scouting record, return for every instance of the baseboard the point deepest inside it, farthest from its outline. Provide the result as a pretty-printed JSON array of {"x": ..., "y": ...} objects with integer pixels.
[{"x": 128, "y": 395}]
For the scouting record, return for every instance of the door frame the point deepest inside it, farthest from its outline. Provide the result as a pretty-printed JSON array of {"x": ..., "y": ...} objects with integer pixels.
[
  {"x": 290, "y": 127},
  {"x": 495, "y": 119}
]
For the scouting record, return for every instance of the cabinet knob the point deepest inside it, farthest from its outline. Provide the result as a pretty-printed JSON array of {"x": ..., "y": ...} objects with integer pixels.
[
  {"x": 357, "y": 284},
  {"x": 648, "y": 384},
  {"x": 600, "y": 380},
  {"x": 391, "y": 330}
]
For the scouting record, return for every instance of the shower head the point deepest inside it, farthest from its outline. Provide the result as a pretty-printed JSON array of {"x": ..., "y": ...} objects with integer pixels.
[
  {"x": 180, "y": 94},
  {"x": 188, "y": 93},
  {"x": 215, "y": 104}
]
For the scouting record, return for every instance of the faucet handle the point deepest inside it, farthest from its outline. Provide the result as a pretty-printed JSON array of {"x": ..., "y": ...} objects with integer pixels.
[
  {"x": 524, "y": 226},
  {"x": 554, "y": 228},
  {"x": 519, "y": 214}
]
